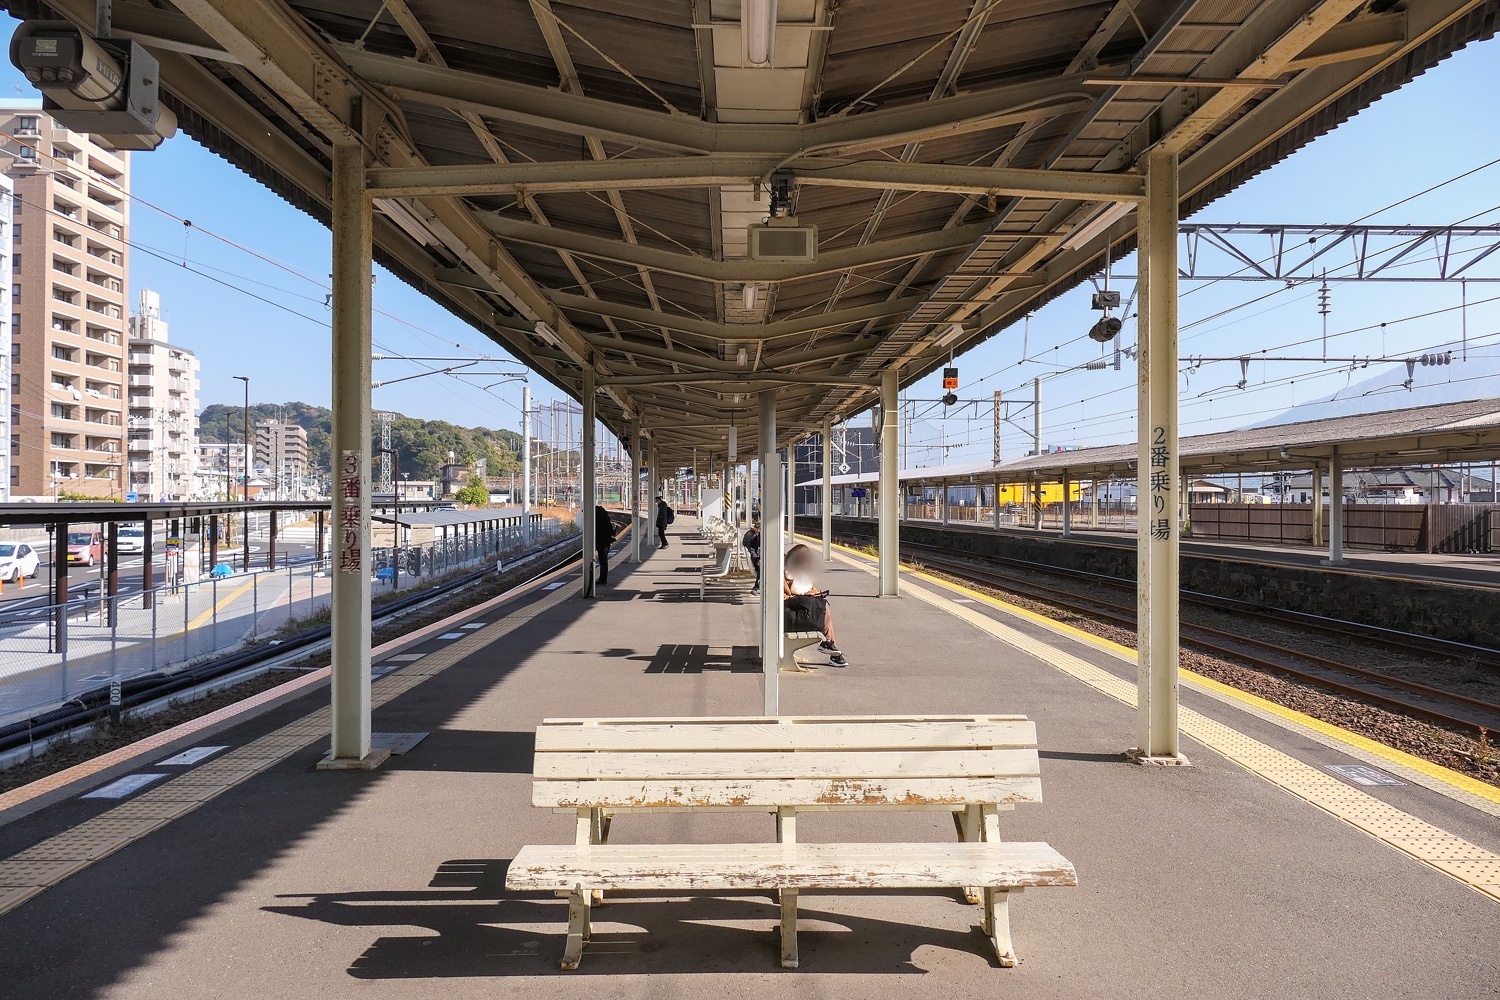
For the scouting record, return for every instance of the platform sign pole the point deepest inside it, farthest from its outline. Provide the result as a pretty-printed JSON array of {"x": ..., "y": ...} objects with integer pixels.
[
  {"x": 890, "y": 486},
  {"x": 634, "y": 553},
  {"x": 1158, "y": 481},
  {"x": 350, "y": 572},
  {"x": 1316, "y": 495},
  {"x": 589, "y": 485},
  {"x": 826, "y": 507},
  {"x": 772, "y": 554},
  {"x": 1067, "y": 504}
]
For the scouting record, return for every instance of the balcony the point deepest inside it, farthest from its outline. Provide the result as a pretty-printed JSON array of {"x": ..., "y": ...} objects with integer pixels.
[
  {"x": 142, "y": 382},
  {"x": 140, "y": 466}
]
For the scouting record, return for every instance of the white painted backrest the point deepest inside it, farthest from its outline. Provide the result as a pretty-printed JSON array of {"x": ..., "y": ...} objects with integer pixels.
[{"x": 880, "y": 761}]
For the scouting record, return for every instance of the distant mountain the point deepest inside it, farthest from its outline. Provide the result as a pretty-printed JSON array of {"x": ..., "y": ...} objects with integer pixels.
[
  {"x": 1477, "y": 378},
  {"x": 421, "y": 445}
]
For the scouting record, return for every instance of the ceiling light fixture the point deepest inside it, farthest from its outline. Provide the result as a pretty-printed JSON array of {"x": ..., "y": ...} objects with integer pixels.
[
  {"x": 1102, "y": 220},
  {"x": 758, "y": 26},
  {"x": 748, "y": 295}
]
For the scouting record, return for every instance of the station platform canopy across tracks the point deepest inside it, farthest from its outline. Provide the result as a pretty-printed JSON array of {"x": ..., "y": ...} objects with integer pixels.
[{"x": 703, "y": 214}]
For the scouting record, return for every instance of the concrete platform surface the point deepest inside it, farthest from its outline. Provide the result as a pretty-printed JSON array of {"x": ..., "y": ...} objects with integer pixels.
[{"x": 1204, "y": 882}]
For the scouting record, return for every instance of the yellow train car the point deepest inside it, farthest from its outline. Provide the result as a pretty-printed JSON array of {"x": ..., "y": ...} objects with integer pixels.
[{"x": 1021, "y": 493}]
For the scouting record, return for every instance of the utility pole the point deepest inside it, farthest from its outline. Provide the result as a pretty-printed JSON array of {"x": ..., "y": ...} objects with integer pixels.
[
  {"x": 998, "y": 411},
  {"x": 1036, "y": 416},
  {"x": 526, "y": 463},
  {"x": 245, "y": 520}
]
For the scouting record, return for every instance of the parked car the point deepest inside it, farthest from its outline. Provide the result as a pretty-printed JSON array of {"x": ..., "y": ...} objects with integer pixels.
[
  {"x": 132, "y": 538},
  {"x": 86, "y": 547},
  {"x": 17, "y": 560}
]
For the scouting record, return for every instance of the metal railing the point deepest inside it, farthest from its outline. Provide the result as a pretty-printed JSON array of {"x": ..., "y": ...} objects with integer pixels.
[{"x": 50, "y": 653}]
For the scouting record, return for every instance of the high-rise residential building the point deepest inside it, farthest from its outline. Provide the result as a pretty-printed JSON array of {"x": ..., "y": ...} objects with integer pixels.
[
  {"x": 69, "y": 259},
  {"x": 282, "y": 449},
  {"x": 162, "y": 429},
  {"x": 8, "y": 377},
  {"x": 221, "y": 470}
]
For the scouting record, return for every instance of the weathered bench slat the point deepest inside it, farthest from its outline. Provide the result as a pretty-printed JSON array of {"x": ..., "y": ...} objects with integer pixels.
[
  {"x": 889, "y": 792},
  {"x": 761, "y": 734},
  {"x": 789, "y": 866},
  {"x": 784, "y": 720},
  {"x": 857, "y": 763}
]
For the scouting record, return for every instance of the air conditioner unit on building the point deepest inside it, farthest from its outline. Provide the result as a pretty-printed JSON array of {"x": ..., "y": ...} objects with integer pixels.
[{"x": 783, "y": 242}]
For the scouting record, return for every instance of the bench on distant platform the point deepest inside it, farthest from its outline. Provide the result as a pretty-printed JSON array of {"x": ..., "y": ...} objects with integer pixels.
[{"x": 969, "y": 766}]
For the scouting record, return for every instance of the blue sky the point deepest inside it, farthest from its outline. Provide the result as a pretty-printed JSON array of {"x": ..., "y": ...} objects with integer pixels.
[{"x": 1420, "y": 136}]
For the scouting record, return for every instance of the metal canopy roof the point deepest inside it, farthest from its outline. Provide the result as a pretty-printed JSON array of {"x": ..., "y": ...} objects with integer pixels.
[
  {"x": 1424, "y": 435},
  {"x": 592, "y": 165}
]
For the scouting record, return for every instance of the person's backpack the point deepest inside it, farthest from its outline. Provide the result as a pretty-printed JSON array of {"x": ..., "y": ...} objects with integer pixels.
[
  {"x": 751, "y": 539},
  {"x": 671, "y": 515}
]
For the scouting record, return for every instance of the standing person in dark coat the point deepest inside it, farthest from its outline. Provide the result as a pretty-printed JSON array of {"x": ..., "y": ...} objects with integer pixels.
[
  {"x": 751, "y": 541},
  {"x": 604, "y": 537},
  {"x": 664, "y": 517}
]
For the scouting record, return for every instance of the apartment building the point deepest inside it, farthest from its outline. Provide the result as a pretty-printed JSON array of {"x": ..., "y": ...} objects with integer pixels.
[
  {"x": 69, "y": 259},
  {"x": 8, "y": 320},
  {"x": 162, "y": 428},
  {"x": 220, "y": 470},
  {"x": 281, "y": 449}
]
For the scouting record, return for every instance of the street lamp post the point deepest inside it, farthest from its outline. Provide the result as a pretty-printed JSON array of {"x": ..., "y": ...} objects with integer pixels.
[
  {"x": 245, "y": 521},
  {"x": 396, "y": 533}
]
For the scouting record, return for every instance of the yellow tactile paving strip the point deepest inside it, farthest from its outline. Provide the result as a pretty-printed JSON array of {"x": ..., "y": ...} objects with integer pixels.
[
  {"x": 43, "y": 865},
  {"x": 1452, "y": 855}
]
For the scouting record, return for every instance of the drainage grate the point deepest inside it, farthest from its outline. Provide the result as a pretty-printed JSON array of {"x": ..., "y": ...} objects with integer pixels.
[
  {"x": 1362, "y": 774},
  {"x": 122, "y": 787},
  {"x": 192, "y": 755}
]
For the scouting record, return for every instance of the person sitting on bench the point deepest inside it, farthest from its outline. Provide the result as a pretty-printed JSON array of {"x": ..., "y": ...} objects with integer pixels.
[{"x": 806, "y": 606}]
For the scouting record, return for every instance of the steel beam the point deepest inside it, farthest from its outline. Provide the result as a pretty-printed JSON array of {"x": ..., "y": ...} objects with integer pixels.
[
  {"x": 728, "y": 331},
  {"x": 1336, "y": 508},
  {"x": 637, "y": 526},
  {"x": 732, "y": 271},
  {"x": 772, "y": 556},
  {"x": 890, "y": 485},
  {"x": 575, "y": 114},
  {"x": 554, "y": 176},
  {"x": 351, "y": 458}
]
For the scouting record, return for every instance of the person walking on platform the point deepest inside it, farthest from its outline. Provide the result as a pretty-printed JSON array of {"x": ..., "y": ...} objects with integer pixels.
[
  {"x": 751, "y": 541},
  {"x": 664, "y": 516},
  {"x": 604, "y": 537},
  {"x": 806, "y": 608}
]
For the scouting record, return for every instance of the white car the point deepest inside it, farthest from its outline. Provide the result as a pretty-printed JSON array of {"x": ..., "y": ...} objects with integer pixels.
[
  {"x": 17, "y": 560},
  {"x": 132, "y": 538}
]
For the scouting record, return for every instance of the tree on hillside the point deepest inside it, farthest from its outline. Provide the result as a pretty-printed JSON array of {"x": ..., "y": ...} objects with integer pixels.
[{"x": 473, "y": 493}]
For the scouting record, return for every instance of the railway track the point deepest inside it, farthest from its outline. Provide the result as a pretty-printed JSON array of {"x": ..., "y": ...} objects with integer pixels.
[{"x": 1244, "y": 648}]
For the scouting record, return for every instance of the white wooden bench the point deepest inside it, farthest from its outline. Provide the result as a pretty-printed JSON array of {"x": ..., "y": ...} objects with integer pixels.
[
  {"x": 793, "y": 641},
  {"x": 969, "y": 766},
  {"x": 725, "y": 571}
]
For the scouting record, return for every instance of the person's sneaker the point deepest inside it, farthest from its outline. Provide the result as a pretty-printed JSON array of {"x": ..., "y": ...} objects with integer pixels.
[
  {"x": 755, "y": 591},
  {"x": 828, "y": 647},
  {"x": 838, "y": 660}
]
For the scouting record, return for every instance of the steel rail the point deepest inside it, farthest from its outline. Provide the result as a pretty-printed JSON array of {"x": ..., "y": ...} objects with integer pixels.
[{"x": 1124, "y": 617}]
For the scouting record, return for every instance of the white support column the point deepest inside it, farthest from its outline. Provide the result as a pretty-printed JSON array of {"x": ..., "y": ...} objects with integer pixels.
[
  {"x": 890, "y": 487},
  {"x": 996, "y": 498},
  {"x": 588, "y": 486},
  {"x": 637, "y": 525},
  {"x": 1335, "y": 509},
  {"x": 827, "y": 505},
  {"x": 526, "y": 464},
  {"x": 1067, "y": 502},
  {"x": 653, "y": 486},
  {"x": 1316, "y": 496},
  {"x": 351, "y": 456},
  {"x": 942, "y": 497},
  {"x": 1158, "y": 473},
  {"x": 772, "y": 555}
]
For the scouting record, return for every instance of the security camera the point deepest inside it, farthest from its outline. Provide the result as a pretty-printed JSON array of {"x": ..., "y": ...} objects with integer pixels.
[
  {"x": 1105, "y": 330},
  {"x": 106, "y": 88}
]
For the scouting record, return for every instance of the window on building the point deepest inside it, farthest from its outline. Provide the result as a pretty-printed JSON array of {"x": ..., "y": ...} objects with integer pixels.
[
  {"x": 15, "y": 353},
  {"x": 64, "y": 412},
  {"x": 28, "y": 154},
  {"x": 64, "y": 237},
  {"x": 15, "y": 321},
  {"x": 62, "y": 353},
  {"x": 15, "y": 234},
  {"x": 62, "y": 440},
  {"x": 26, "y": 123},
  {"x": 15, "y": 292},
  {"x": 15, "y": 262}
]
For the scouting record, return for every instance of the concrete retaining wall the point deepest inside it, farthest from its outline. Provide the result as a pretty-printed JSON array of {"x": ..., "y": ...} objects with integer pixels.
[{"x": 1462, "y": 614}]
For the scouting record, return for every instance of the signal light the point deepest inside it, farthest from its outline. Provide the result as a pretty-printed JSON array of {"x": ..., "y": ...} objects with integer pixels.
[{"x": 950, "y": 378}]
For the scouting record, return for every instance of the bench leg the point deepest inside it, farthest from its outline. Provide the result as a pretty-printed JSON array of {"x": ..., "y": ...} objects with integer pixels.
[
  {"x": 997, "y": 925},
  {"x": 788, "y": 928},
  {"x": 578, "y": 927},
  {"x": 968, "y": 824}
]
